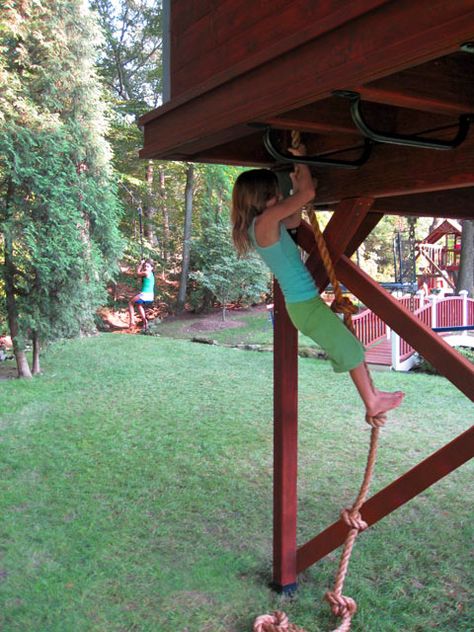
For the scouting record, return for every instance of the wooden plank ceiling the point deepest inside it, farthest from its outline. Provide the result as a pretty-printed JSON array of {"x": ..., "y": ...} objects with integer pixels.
[{"x": 409, "y": 63}]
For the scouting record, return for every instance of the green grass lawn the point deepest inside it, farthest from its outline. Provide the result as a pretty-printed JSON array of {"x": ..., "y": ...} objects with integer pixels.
[{"x": 136, "y": 494}]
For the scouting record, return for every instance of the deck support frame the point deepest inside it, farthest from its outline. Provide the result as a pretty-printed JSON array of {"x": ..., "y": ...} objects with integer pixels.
[{"x": 349, "y": 226}]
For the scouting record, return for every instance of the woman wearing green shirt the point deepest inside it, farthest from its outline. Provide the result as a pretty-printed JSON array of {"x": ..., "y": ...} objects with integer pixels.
[{"x": 147, "y": 294}]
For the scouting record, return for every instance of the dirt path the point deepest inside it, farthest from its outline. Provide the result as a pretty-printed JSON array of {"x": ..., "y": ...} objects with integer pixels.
[{"x": 186, "y": 323}]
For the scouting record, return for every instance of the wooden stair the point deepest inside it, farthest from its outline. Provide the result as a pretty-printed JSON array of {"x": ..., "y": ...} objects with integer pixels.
[{"x": 379, "y": 353}]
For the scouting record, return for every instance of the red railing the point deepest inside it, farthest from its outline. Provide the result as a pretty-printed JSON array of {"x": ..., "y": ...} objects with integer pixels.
[
  {"x": 370, "y": 328},
  {"x": 449, "y": 312},
  {"x": 452, "y": 311},
  {"x": 446, "y": 312},
  {"x": 413, "y": 303},
  {"x": 441, "y": 256}
]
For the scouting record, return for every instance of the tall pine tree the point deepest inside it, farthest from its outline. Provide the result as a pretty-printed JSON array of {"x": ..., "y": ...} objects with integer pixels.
[{"x": 58, "y": 207}]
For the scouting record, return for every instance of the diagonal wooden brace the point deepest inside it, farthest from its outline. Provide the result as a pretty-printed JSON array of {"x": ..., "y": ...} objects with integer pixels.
[
  {"x": 447, "y": 360},
  {"x": 346, "y": 221},
  {"x": 416, "y": 480},
  {"x": 342, "y": 238}
]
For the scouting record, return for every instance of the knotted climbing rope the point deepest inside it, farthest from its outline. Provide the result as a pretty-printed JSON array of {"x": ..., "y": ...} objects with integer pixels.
[
  {"x": 275, "y": 622},
  {"x": 341, "y": 605}
]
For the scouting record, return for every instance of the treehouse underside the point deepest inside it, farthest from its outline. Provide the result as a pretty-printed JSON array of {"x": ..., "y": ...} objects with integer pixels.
[
  {"x": 410, "y": 63},
  {"x": 385, "y": 89}
]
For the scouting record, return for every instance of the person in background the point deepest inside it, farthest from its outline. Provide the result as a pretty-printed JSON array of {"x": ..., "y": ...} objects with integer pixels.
[{"x": 147, "y": 294}]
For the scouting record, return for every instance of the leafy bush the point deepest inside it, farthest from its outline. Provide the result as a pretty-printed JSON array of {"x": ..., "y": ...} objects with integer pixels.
[
  {"x": 426, "y": 367},
  {"x": 217, "y": 271}
]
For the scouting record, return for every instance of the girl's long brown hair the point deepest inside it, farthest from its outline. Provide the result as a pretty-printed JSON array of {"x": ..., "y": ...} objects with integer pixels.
[{"x": 252, "y": 190}]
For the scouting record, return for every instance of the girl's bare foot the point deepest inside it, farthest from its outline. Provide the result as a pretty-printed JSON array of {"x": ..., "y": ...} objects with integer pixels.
[
  {"x": 376, "y": 402},
  {"x": 381, "y": 402}
]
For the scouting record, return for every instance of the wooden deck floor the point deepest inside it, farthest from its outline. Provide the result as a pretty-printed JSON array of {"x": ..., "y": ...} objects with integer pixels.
[{"x": 380, "y": 353}]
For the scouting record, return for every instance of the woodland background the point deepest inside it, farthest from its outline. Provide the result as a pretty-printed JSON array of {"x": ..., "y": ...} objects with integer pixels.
[{"x": 75, "y": 77}]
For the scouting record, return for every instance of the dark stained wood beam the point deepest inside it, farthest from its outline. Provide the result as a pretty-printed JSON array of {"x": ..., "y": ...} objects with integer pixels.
[
  {"x": 419, "y": 478},
  {"x": 454, "y": 203},
  {"x": 245, "y": 144},
  {"x": 397, "y": 171},
  {"x": 440, "y": 86},
  {"x": 353, "y": 240},
  {"x": 363, "y": 232},
  {"x": 248, "y": 151},
  {"x": 332, "y": 116},
  {"x": 350, "y": 242},
  {"x": 329, "y": 116},
  {"x": 398, "y": 36},
  {"x": 228, "y": 141},
  {"x": 347, "y": 219}
]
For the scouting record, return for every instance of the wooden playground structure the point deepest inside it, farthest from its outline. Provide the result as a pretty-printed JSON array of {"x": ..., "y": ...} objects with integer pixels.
[
  {"x": 438, "y": 255},
  {"x": 383, "y": 95}
]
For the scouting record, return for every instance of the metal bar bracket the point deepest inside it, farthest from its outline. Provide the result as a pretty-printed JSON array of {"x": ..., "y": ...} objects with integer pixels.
[
  {"x": 314, "y": 161},
  {"x": 407, "y": 140}
]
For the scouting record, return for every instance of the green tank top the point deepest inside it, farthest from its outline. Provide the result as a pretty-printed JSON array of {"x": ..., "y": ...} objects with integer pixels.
[
  {"x": 148, "y": 284},
  {"x": 284, "y": 260}
]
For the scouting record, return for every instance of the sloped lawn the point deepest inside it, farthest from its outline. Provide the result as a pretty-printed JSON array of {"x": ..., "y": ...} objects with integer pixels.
[{"x": 136, "y": 494}]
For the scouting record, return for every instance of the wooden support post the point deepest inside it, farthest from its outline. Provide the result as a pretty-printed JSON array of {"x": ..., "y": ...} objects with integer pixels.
[
  {"x": 419, "y": 478},
  {"x": 285, "y": 446}
]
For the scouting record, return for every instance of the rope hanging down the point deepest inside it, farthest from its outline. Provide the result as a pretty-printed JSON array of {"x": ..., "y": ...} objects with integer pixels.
[
  {"x": 140, "y": 220},
  {"x": 341, "y": 605}
]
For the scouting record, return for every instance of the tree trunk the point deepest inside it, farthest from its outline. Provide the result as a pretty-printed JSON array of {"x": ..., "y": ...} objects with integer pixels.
[
  {"x": 36, "y": 353},
  {"x": 150, "y": 209},
  {"x": 12, "y": 309},
  {"x": 188, "y": 210},
  {"x": 435, "y": 223},
  {"x": 165, "y": 218},
  {"x": 465, "y": 279}
]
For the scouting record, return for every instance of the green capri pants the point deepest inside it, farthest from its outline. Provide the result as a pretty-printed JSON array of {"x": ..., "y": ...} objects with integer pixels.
[{"x": 316, "y": 320}]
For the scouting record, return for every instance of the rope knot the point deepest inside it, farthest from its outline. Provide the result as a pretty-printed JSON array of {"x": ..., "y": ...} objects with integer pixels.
[
  {"x": 341, "y": 606},
  {"x": 343, "y": 305},
  {"x": 295, "y": 139},
  {"x": 275, "y": 622},
  {"x": 376, "y": 421},
  {"x": 353, "y": 519}
]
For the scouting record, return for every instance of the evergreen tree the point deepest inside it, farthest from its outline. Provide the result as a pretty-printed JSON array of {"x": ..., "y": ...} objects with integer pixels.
[{"x": 59, "y": 209}]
